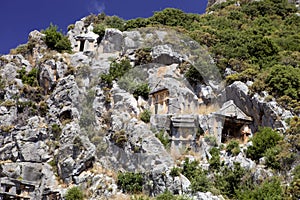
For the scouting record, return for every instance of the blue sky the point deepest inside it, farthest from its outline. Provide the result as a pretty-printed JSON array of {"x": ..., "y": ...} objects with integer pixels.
[{"x": 19, "y": 17}]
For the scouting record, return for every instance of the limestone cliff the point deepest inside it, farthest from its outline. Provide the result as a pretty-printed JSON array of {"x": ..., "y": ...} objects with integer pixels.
[{"x": 62, "y": 124}]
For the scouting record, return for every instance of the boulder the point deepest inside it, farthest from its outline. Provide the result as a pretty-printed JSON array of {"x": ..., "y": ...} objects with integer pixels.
[
  {"x": 112, "y": 41},
  {"x": 165, "y": 55}
]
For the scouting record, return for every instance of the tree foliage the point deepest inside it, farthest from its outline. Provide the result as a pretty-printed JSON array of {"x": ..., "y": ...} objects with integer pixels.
[
  {"x": 263, "y": 140},
  {"x": 55, "y": 39}
]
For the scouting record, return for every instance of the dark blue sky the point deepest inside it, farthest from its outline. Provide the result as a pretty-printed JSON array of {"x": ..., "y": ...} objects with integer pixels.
[{"x": 19, "y": 17}]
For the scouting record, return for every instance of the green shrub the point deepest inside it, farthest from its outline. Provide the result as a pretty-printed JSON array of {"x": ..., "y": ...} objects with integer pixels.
[
  {"x": 211, "y": 140},
  {"x": 200, "y": 183},
  {"x": 233, "y": 147},
  {"x": 143, "y": 56},
  {"x": 284, "y": 80},
  {"x": 116, "y": 71},
  {"x": 55, "y": 40},
  {"x": 214, "y": 161},
  {"x": 142, "y": 90},
  {"x": 175, "y": 171},
  {"x": 100, "y": 30},
  {"x": 190, "y": 169},
  {"x": 167, "y": 195},
  {"x": 120, "y": 138},
  {"x": 74, "y": 193},
  {"x": 164, "y": 139},
  {"x": 229, "y": 180},
  {"x": 294, "y": 188},
  {"x": 197, "y": 177},
  {"x": 71, "y": 27},
  {"x": 269, "y": 189},
  {"x": 193, "y": 75},
  {"x": 283, "y": 155},
  {"x": 136, "y": 23},
  {"x": 114, "y": 22},
  {"x": 145, "y": 116},
  {"x": 56, "y": 131},
  {"x": 130, "y": 182},
  {"x": 264, "y": 139},
  {"x": 29, "y": 78},
  {"x": 270, "y": 155},
  {"x": 294, "y": 128}
]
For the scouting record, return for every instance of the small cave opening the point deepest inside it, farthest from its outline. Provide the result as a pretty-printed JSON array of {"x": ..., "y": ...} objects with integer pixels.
[{"x": 65, "y": 115}]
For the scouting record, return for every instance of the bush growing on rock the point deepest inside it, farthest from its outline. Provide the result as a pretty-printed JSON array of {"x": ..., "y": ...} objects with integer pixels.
[
  {"x": 164, "y": 139},
  {"x": 264, "y": 139},
  {"x": 145, "y": 116},
  {"x": 100, "y": 30},
  {"x": 198, "y": 178},
  {"x": 130, "y": 182},
  {"x": 142, "y": 90},
  {"x": 167, "y": 195},
  {"x": 143, "y": 56},
  {"x": 269, "y": 189},
  {"x": 175, "y": 171},
  {"x": 284, "y": 80},
  {"x": 229, "y": 179},
  {"x": 56, "y": 131},
  {"x": 214, "y": 161},
  {"x": 55, "y": 39},
  {"x": 233, "y": 147},
  {"x": 116, "y": 70},
  {"x": 29, "y": 78},
  {"x": 74, "y": 193}
]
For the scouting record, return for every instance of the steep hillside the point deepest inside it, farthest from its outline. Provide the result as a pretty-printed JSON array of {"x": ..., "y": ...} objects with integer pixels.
[{"x": 175, "y": 106}]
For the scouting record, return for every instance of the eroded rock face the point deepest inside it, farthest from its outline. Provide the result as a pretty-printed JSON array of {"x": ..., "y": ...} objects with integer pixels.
[
  {"x": 86, "y": 126},
  {"x": 263, "y": 113}
]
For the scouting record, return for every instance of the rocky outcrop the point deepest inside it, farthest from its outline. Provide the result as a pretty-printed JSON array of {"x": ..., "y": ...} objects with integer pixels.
[
  {"x": 263, "y": 113},
  {"x": 74, "y": 128},
  {"x": 159, "y": 182}
]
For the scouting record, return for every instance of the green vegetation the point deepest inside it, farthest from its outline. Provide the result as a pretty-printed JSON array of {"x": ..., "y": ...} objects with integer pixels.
[
  {"x": 294, "y": 189},
  {"x": 229, "y": 180},
  {"x": 175, "y": 171},
  {"x": 116, "y": 71},
  {"x": 143, "y": 56},
  {"x": 269, "y": 189},
  {"x": 258, "y": 39},
  {"x": 198, "y": 178},
  {"x": 29, "y": 78},
  {"x": 163, "y": 138},
  {"x": 100, "y": 30},
  {"x": 55, "y": 39},
  {"x": 130, "y": 182},
  {"x": 102, "y": 21},
  {"x": 214, "y": 161},
  {"x": 142, "y": 90},
  {"x": 56, "y": 131},
  {"x": 263, "y": 140},
  {"x": 284, "y": 81},
  {"x": 145, "y": 116},
  {"x": 120, "y": 138},
  {"x": 74, "y": 193},
  {"x": 211, "y": 140},
  {"x": 167, "y": 195},
  {"x": 233, "y": 147}
]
